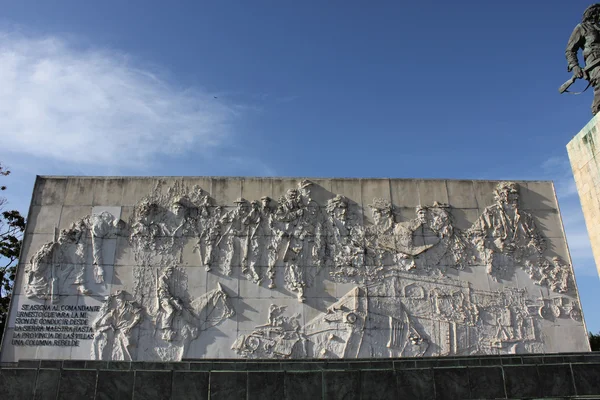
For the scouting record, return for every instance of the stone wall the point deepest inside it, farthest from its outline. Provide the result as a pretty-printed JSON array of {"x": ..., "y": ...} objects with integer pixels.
[
  {"x": 583, "y": 152},
  {"x": 162, "y": 269},
  {"x": 571, "y": 376}
]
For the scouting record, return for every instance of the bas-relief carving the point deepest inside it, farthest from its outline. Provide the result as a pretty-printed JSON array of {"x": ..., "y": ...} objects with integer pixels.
[
  {"x": 505, "y": 235},
  {"x": 113, "y": 328},
  {"x": 64, "y": 261},
  {"x": 172, "y": 319},
  {"x": 405, "y": 302}
]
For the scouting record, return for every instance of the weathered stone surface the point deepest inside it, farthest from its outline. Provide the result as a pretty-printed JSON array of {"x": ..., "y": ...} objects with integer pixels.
[
  {"x": 188, "y": 385},
  {"x": 451, "y": 383},
  {"x": 380, "y": 385},
  {"x": 228, "y": 385},
  {"x": 556, "y": 380},
  {"x": 303, "y": 385},
  {"x": 415, "y": 384},
  {"x": 522, "y": 382},
  {"x": 586, "y": 379},
  {"x": 152, "y": 385},
  {"x": 17, "y": 383},
  {"x": 154, "y": 270},
  {"x": 543, "y": 377},
  {"x": 46, "y": 384},
  {"x": 486, "y": 383},
  {"x": 77, "y": 384},
  {"x": 265, "y": 385},
  {"x": 342, "y": 385},
  {"x": 114, "y": 385}
]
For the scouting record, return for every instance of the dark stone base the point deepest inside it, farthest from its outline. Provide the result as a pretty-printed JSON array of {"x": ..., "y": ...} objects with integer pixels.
[{"x": 565, "y": 376}]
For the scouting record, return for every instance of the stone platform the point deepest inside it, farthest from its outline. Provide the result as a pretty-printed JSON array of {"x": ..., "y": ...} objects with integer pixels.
[{"x": 566, "y": 375}]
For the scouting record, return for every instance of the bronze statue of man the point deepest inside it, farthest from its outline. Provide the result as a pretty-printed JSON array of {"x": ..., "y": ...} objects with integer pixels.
[{"x": 586, "y": 36}]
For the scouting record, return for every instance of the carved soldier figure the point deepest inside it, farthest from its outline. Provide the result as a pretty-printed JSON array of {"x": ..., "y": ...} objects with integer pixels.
[
  {"x": 71, "y": 249},
  {"x": 235, "y": 235},
  {"x": 168, "y": 304},
  {"x": 145, "y": 227},
  {"x": 555, "y": 274},
  {"x": 272, "y": 238},
  {"x": 112, "y": 328},
  {"x": 210, "y": 232},
  {"x": 586, "y": 36},
  {"x": 379, "y": 238},
  {"x": 504, "y": 232},
  {"x": 175, "y": 224},
  {"x": 41, "y": 280},
  {"x": 414, "y": 237},
  {"x": 303, "y": 229},
  {"x": 383, "y": 217},
  {"x": 290, "y": 206},
  {"x": 344, "y": 241},
  {"x": 101, "y": 226},
  {"x": 304, "y": 188},
  {"x": 255, "y": 246}
]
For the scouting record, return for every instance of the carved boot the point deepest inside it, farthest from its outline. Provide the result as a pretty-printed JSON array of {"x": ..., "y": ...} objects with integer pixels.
[
  {"x": 208, "y": 261},
  {"x": 81, "y": 289},
  {"x": 168, "y": 335},
  {"x": 300, "y": 295},
  {"x": 271, "y": 275}
]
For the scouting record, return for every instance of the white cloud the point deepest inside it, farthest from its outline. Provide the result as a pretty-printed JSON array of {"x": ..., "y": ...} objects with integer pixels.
[{"x": 95, "y": 107}]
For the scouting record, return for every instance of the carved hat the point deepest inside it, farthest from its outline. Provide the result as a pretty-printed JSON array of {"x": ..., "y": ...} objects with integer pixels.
[
  {"x": 421, "y": 208},
  {"x": 265, "y": 198},
  {"x": 240, "y": 200},
  {"x": 337, "y": 201},
  {"x": 182, "y": 201},
  {"x": 505, "y": 187},
  {"x": 304, "y": 183},
  {"x": 381, "y": 205}
]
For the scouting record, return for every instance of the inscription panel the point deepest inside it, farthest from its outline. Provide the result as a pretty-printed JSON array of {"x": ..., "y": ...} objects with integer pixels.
[{"x": 53, "y": 325}]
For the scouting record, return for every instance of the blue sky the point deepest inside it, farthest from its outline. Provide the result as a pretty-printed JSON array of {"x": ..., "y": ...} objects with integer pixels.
[{"x": 462, "y": 89}]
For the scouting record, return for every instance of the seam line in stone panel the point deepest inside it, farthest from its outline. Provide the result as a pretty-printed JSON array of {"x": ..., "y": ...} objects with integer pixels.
[
  {"x": 433, "y": 382},
  {"x": 37, "y": 374},
  {"x": 573, "y": 379},
  {"x": 447, "y": 192},
  {"x": 133, "y": 385},
  {"x": 390, "y": 190},
  {"x": 60, "y": 375},
  {"x": 323, "y": 387},
  {"x": 242, "y": 187},
  {"x": 247, "y": 385},
  {"x": 503, "y": 381},
  {"x": 97, "y": 372}
]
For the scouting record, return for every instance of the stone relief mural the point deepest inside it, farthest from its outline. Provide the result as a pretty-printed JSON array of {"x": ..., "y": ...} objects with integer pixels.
[
  {"x": 409, "y": 292},
  {"x": 65, "y": 260}
]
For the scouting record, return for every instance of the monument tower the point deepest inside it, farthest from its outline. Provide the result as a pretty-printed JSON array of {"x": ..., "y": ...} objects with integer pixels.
[{"x": 583, "y": 148}]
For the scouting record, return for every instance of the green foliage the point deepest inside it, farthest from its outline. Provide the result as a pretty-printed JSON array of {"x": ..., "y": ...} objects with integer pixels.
[
  {"x": 12, "y": 226},
  {"x": 594, "y": 341}
]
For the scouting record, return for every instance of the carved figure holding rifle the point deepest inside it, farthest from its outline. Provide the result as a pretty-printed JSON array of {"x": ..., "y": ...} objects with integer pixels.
[{"x": 586, "y": 36}]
